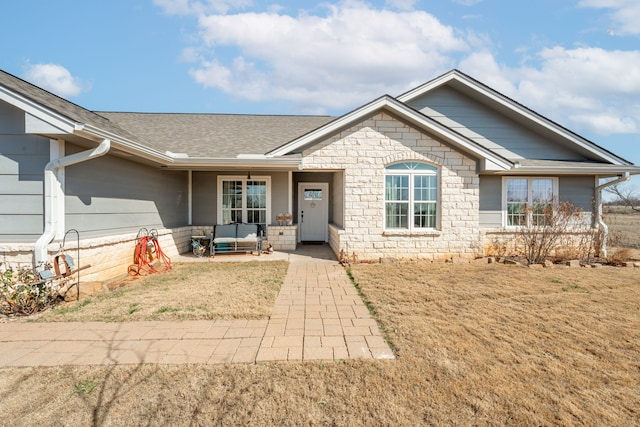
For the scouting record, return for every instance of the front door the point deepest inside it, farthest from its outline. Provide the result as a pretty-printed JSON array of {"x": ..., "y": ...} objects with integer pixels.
[{"x": 313, "y": 212}]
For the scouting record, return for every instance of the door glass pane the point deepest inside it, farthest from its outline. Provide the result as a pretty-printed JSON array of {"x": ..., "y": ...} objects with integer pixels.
[{"x": 313, "y": 194}]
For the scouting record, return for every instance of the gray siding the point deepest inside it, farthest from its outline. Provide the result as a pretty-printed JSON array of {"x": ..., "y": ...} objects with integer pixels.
[
  {"x": 205, "y": 195},
  {"x": 488, "y": 127},
  {"x": 22, "y": 161},
  {"x": 110, "y": 195},
  {"x": 490, "y": 201},
  {"x": 579, "y": 190},
  {"x": 279, "y": 194}
]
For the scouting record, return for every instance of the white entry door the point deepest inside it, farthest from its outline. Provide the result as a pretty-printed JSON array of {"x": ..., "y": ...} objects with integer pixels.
[{"x": 313, "y": 212}]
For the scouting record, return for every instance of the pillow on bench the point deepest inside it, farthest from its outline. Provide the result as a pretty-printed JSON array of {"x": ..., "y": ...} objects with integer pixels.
[{"x": 247, "y": 233}]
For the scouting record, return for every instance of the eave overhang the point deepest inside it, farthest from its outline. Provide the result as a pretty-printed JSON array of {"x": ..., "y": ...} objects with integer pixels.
[
  {"x": 35, "y": 110},
  {"x": 202, "y": 163},
  {"x": 596, "y": 170}
]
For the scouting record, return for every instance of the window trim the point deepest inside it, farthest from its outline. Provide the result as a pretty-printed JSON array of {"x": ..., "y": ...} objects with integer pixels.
[
  {"x": 411, "y": 202},
  {"x": 555, "y": 188},
  {"x": 244, "y": 179}
]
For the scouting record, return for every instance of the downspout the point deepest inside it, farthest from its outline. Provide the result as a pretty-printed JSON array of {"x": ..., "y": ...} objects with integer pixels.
[
  {"x": 51, "y": 214},
  {"x": 190, "y": 197},
  {"x": 605, "y": 228}
]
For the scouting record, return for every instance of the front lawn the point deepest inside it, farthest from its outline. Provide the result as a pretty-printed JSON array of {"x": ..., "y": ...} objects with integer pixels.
[
  {"x": 227, "y": 290},
  {"x": 477, "y": 344}
]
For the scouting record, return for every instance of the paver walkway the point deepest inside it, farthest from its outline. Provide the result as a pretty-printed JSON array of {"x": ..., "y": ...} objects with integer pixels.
[{"x": 317, "y": 315}]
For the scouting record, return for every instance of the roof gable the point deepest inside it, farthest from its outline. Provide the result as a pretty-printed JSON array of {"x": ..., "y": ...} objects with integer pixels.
[
  {"x": 490, "y": 160},
  {"x": 513, "y": 110}
]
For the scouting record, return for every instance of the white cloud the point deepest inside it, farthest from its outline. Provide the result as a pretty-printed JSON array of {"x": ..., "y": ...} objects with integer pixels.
[
  {"x": 605, "y": 123},
  {"x": 344, "y": 54},
  {"x": 348, "y": 56},
  {"x": 595, "y": 88},
  {"x": 483, "y": 66},
  {"x": 55, "y": 78},
  {"x": 625, "y": 14},
  {"x": 585, "y": 88}
]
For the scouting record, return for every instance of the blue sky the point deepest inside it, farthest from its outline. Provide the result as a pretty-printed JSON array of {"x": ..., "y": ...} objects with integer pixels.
[{"x": 576, "y": 62}]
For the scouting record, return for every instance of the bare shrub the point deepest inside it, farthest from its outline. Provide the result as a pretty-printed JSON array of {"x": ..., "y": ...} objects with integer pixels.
[
  {"x": 619, "y": 256},
  {"x": 563, "y": 231},
  {"x": 497, "y": 246}
]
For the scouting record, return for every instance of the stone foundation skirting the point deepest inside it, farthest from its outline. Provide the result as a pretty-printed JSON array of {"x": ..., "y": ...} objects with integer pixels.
[
  {"x": 429, "y": 245},
  {"x": 569, "y": 245},
  {"x": 109, "y": 256}
]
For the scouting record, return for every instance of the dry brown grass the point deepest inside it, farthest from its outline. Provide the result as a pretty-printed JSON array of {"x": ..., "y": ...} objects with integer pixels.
[
  {"x": 476, "y": 345},
  {"x": 240, "y": 290},
  {"x": 624, "y": 226},
  {"x": 516, "y": 345}
]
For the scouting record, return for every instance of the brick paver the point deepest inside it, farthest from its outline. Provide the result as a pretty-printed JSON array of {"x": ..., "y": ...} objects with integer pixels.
[{"x": 318, "y": 315}]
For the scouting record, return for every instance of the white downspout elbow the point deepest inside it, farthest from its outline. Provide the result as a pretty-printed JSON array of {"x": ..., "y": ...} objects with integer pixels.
[
  {"x": 51, "y": 215},
  {"x": 601, "y": 223}
]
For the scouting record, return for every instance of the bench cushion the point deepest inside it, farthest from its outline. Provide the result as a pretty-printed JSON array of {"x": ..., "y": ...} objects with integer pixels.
[
  {"x": 225, "y": 240},
  {"x": 247, "y": 233}
]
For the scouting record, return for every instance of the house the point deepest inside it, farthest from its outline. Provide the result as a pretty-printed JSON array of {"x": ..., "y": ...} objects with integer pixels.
[{"x": 429, "y": 174}]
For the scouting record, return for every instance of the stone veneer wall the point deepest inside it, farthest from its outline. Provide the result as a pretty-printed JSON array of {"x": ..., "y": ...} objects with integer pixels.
[
  {"x": 363, "y": 152},
  {"x": 335, "y": 237},
  {"x": 108, "y": 256},
  {"x": 282, "y": 237}
]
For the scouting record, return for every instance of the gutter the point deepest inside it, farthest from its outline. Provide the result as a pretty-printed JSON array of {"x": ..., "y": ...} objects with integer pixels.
[
  {"x": 605, "y": 228},
  {"x": 233, "y": 163},
  {"x": 51, "y": 214}
]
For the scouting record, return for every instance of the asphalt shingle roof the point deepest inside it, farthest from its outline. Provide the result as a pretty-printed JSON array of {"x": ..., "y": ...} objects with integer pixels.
[
  {"x": 198, "y": 135},
  {"x": 215, "y": 135},
  {"x": 60, "y": 105}
]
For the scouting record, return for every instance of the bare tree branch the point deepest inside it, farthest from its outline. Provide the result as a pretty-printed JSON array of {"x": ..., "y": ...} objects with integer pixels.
[{"x": 628, "y": 195}]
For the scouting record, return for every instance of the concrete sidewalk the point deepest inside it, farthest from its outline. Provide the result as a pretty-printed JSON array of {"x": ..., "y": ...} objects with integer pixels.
[{"x": 318, "y": 315}]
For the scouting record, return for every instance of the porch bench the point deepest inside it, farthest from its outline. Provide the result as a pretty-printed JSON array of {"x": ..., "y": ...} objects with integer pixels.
[{"x": 228, "y": 238}]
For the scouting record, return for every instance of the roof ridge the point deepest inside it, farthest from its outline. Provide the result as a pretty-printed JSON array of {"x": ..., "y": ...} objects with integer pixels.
[{"x": 99, "y": 112}]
